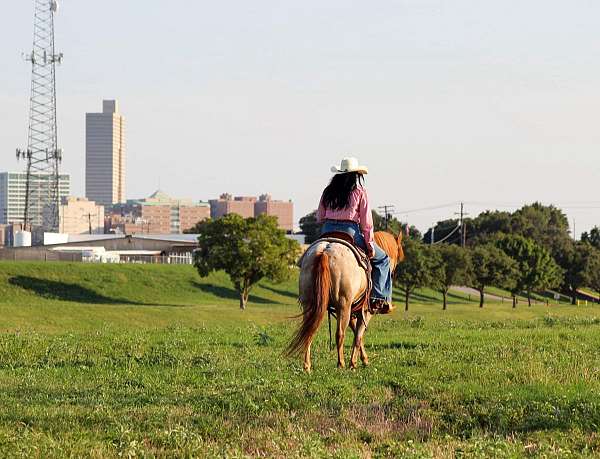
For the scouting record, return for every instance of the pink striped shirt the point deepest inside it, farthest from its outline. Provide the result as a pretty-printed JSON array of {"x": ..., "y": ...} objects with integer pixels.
[{"x": 358, "y": 211}]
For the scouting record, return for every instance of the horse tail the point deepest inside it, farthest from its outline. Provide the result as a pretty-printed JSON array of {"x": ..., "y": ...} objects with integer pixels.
[{"x": 315, "y": 307}]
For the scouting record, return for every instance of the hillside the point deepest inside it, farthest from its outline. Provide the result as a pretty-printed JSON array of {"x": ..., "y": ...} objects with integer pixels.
[{"x": 152, "y": 361}]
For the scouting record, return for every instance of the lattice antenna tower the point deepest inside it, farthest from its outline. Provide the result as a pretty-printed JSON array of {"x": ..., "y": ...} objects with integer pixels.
[{"x": 42, "y": 155}]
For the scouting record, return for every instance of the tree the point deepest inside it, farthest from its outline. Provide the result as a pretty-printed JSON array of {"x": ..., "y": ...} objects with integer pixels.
[
  {"x": 593, "y": 268},
  {"x": 310, "y": 228},
  {"x": 247, "y": 249},
  {"x": 490, "y": 266},
  {"x": 576, "y": 262},
  {"x": 536, "y": 269},
  {"x": 593, "y": 237},
  {"x": 454, "y": 268},
  {"x": 487, "y": 224},
  {"x": 416, "y": 269},
  {"x": 547, "y": 225}
]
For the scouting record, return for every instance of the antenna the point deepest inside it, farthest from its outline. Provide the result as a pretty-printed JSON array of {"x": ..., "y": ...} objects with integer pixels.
[{"x": 42, "y": 154}]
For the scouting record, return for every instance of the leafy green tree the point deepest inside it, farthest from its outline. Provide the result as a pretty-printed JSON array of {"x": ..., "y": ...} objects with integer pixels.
[
  {"x": 593, "y": 237},
  {"x": 487, "y": 224},
  {"x": 247, "y": 249},
  {"x": 454, "y": 268},
  {"x": 547, "y": 225},
  {"x": 490, "y": 266},
  {"x": 536, "y": 269},
  {"x": 577, "y": 261},
  {"x": 593, "y": 269},
  {"x": 310, "y": 228},
  {"x": 417, "y": 269}
]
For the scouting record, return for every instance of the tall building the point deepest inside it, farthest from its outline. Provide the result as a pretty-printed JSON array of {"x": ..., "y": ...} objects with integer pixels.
[
  {"x": 157, "y": 214},
  {"x": 105, "y": 155},
  {"x": 13, "y": 186}
]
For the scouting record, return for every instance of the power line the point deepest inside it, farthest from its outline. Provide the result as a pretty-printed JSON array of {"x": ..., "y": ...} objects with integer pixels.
[{"x": 422, "y": 209}]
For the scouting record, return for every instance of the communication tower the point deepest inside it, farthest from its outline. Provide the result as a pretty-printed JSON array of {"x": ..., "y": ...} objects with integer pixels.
[{"x": 42, "y": 155}]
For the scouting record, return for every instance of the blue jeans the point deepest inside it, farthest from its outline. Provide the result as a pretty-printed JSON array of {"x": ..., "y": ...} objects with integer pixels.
[{"x": 381, "y": 274}]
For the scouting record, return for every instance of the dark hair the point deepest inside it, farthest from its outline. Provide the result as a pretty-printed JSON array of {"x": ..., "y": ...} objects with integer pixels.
[{"x": 336, "y": 195}]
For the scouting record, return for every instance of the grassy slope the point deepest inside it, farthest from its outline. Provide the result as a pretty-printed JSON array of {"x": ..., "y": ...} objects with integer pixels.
[{"x": 124, "y": 360}]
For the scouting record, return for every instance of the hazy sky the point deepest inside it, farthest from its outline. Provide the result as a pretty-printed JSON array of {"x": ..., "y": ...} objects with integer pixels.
[{"x": 496, "y": 103}]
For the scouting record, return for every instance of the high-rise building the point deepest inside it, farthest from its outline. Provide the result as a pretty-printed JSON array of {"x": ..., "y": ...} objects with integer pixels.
[
  {"x": 13, "y": 186},
  {"x": 105, "y": 155}
]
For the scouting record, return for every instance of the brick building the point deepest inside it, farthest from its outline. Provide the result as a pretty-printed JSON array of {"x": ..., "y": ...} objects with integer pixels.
[
  {"x": 226, "y": 204},
  {"x": 250, "y": 206},
  {"x": 156, "y": 214},
  {"x": 283, "y": 210}
]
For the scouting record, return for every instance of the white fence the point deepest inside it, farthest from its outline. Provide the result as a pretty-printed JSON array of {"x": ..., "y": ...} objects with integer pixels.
[{"x": 171, "y": 259}]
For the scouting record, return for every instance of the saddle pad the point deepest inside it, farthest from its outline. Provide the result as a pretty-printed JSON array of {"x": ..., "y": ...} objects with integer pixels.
[{"x": 360, "y": 256}]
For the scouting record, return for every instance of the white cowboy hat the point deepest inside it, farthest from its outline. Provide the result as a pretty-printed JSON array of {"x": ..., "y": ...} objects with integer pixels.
[{"x": 349, "y": 165}]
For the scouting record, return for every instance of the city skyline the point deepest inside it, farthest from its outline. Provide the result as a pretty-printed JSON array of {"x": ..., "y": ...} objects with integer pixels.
[{"x": 443, "y": 103}]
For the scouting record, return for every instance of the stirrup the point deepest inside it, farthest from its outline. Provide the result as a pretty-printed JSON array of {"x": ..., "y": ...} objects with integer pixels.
[{"x": 380, "y": 306}]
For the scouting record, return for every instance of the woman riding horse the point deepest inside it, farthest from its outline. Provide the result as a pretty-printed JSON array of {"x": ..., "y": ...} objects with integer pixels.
[
  {"x": 344, "y": 207},
  {"x": 331, "y": 276}
]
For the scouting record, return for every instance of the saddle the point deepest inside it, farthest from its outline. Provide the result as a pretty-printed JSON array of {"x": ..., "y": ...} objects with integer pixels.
[{"x": 339, "y": 237}]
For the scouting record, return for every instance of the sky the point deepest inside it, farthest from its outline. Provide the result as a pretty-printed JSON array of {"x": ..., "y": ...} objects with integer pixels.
[{"x": 494, "y": 103}]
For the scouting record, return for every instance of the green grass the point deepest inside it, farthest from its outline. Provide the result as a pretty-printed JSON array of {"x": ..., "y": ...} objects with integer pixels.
[{"x": 118, "y": 361}]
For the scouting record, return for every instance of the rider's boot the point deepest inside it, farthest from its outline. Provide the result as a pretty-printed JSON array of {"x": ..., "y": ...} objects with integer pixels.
[{"x": 380, "y": 306}]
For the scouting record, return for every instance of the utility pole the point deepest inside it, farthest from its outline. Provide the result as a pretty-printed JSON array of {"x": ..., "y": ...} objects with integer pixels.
[
  {"x": 387, "y": 212},
  {"x": 463, "y": 232},
  {"x": 89, "y": 216}
]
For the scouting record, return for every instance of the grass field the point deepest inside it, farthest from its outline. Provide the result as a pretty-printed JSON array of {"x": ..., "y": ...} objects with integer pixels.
[{"x": 124, "y": 361}]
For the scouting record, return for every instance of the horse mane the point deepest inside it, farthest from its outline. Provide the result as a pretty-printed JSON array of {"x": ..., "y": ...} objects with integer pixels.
[{"x": 391, "y": 245}]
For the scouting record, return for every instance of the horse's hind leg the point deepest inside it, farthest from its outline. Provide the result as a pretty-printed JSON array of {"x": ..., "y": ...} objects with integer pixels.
[
  {"x": 359, "y": 327},
  {"x": 307, "y": 362},
  {"x": 355, "y": 345},
  {"x": 342, "y": 324}
]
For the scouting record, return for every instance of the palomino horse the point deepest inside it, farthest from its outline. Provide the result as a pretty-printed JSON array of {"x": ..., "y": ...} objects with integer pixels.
[{"x": 330, "y": 275}]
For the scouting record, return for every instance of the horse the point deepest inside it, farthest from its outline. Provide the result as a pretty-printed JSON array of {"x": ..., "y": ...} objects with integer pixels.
[{"x": 330, "y": 275}]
